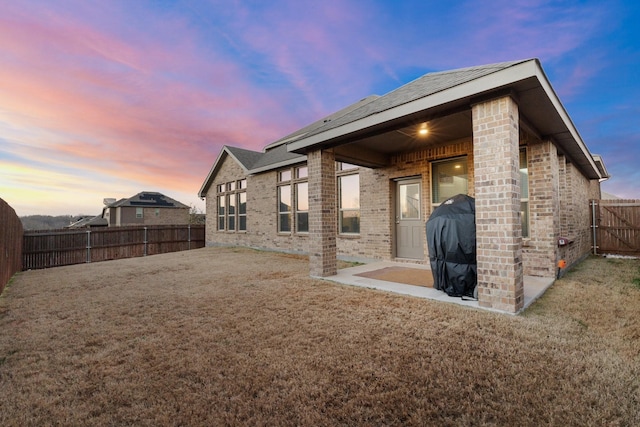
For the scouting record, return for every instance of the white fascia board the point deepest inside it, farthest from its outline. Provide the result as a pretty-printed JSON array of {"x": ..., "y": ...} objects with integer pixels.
[{"x": 469, "y": 89}]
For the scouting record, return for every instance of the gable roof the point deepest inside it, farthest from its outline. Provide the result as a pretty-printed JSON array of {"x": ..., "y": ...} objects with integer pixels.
[
  {"x": 149, "y": 199},
  {"x": 432, "y": 95},
  {"x": 438, "y": 93},
  {"x": 245, "y": 158}
]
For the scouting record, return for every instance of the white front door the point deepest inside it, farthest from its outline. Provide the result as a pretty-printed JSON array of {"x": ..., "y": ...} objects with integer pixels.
[{"x": 409, "y": 225}]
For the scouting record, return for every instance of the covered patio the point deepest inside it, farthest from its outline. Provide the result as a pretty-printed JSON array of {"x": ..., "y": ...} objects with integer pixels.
[{"x": 485, "y": 114}]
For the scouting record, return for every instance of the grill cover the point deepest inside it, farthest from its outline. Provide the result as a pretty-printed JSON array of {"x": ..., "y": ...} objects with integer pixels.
[{"x": 451, "y": 237}]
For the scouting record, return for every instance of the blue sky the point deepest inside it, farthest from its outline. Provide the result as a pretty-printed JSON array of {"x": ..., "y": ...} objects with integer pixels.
[{"x": 110, "y": 98}]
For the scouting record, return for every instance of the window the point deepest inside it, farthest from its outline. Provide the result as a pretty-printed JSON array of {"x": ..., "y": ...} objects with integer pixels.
[
  {"x": 349, "y": 204},
  {"x": 524, "y": 193},
  {"x": 138, "y": 212},
  {"x": 157, "y": 212},
  {"x": 293, "y": 200},
  {"x": 448, "y": 178},
  {"x": 232, "y": 206}
]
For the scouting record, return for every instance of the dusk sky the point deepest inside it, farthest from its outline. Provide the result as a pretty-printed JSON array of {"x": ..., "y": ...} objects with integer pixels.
[{"x": 110, "y": 98}]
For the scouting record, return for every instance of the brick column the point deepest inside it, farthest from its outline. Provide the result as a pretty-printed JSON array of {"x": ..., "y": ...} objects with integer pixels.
[
  {"x": 322, "y": 214},
  {"x": 497, "y": 191}
]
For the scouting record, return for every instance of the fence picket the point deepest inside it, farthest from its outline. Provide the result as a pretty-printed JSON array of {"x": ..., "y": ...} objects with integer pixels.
[{"x": 53, "y": 248}]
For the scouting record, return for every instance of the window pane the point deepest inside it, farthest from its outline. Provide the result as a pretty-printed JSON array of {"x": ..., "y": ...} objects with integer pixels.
[
  {"x": 410, "y": 201},
  {"x": 302, "y": 172},
  {"x": 302, "y": 219},
  {"x": 346, "y": 166},
  {"x": 284, "y": 222},
  {"x": 232, "y": 205},
  {"x": 242, "y": 203},
  {"x": 242, "y": 222},
  {"x": 350, "y": 222},
  {"x": 284, "y": 198},
  {"x": 302, "y": 193},
  {"x": 524, "y": 218},
  {"x": 242, "y": 184},
  {"x": 231, "y": 210},
  {"x": 231, "y": 186},
  {"x": 220, "y": 223},
  {"x": 524, "y": 175},
  {"x": 285, "y": 176},
  {"x": 449, "y": 179},
  {"x": 349, "y": 191}
]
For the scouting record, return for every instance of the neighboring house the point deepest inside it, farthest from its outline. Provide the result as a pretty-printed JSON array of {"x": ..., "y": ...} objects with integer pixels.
[
  {"x": 362, "y": 182},
  {"x": 146, "y": 208}
]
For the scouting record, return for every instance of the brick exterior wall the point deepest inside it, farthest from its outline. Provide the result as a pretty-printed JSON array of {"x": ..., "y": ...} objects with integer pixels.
[
  {"x": 539, "y": 249},
  {"x": 575, "y": 215},
  {"x": 497, "y": 188}
]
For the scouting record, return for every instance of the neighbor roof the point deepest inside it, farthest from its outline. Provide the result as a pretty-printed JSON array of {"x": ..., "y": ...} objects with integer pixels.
[{"x": 149, "y": 199}]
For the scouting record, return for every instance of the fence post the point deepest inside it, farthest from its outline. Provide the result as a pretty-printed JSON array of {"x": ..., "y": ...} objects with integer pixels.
[
  {"x": 88, "y": 245},
  {"x": 189, "y": 238},
  {"x": 145, "y": 242}
]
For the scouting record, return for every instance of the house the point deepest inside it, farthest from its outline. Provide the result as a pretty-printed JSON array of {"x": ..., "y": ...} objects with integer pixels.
[
  {"x": 145, "y": 208},
  {"x": 362, "y": 182}
]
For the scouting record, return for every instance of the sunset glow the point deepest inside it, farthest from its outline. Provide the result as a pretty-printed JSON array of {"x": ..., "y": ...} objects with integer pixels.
[{"x": 112, "y": 98}]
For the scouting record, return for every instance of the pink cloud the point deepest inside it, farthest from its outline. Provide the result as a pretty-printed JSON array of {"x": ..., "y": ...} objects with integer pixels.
[{"x": 127, "y": 108}]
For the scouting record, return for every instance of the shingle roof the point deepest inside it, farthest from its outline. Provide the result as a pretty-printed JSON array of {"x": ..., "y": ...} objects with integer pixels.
[
  {"x": 247, "y": 158},
  {"x": 421, "y": 87},
  {"x": 149, "y": 199},
  {"x": 310, "y": 129}
]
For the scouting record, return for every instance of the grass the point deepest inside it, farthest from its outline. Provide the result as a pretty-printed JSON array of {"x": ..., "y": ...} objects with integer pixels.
[{"x": 218, "y": 336}]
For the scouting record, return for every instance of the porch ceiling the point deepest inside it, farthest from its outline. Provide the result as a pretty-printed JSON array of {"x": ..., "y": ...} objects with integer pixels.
[{"x": 376, "y": 150}]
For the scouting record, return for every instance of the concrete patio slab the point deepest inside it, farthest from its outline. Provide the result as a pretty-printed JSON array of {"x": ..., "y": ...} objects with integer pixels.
[{"x": 534, "y": 287}]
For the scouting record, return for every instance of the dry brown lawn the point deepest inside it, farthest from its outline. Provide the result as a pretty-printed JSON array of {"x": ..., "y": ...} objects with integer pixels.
[{"x": 239, "y": 337}]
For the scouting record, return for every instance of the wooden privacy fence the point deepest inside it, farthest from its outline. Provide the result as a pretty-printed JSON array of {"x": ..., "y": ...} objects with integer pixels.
[
  {"x": 10, "y": 243},
  {"x": 47, "y": 248},
  {"x": 615, "y": 226}
]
